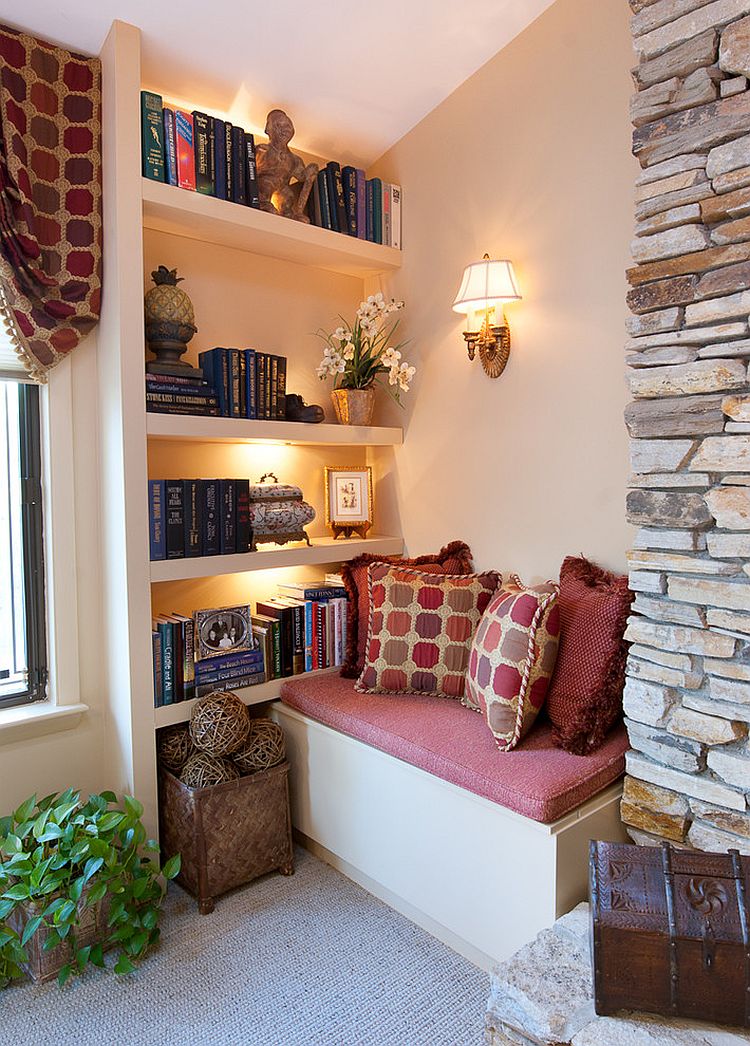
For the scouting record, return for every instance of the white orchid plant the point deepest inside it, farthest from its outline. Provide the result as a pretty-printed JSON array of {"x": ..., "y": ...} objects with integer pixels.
[{"x": 358, "y": 355}]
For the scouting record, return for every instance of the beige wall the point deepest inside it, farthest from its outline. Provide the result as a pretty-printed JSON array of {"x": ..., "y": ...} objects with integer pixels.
[{"x": 529, "y": 159}]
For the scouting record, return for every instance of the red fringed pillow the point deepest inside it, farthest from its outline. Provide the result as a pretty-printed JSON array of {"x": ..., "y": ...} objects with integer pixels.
[
  {"x": 453, "y": 559},
  {"x": 585, "y": 698}
]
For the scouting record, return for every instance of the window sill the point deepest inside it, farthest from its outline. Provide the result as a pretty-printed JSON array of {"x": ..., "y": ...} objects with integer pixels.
[{"x": 28, "y": 721}]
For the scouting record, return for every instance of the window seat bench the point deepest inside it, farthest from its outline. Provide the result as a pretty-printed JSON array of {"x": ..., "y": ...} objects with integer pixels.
[{"x": 409, "y": 796}]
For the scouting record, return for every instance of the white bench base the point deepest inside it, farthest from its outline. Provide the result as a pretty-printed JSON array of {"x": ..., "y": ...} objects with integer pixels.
[{"x": 480, "y": 878}]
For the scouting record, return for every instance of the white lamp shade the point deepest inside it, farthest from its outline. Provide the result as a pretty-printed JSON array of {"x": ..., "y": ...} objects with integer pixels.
[{"x": 486, "y": 284}]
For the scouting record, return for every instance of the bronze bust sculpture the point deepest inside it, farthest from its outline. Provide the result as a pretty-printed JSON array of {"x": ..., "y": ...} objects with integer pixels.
[{"x": 284, "y": 180}]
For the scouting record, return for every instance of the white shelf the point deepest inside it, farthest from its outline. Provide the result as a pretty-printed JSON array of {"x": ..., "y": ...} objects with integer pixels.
[
  {"x": 188, "y": 428},
  {"x": 168, "y": 715},
  {"x": 167, "y": 208},
  {"x": 296, "y": 554}
]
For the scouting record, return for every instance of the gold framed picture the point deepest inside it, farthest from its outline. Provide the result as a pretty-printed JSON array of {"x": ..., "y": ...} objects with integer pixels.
[{"x": 349, "y": 500}]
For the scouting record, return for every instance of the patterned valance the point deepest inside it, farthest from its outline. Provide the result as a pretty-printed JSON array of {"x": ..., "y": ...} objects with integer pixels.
[{"x": 50, "y": 198}]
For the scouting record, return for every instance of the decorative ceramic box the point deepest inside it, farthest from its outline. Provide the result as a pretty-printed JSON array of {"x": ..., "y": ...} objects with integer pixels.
[{"x": 278, "y": 512}]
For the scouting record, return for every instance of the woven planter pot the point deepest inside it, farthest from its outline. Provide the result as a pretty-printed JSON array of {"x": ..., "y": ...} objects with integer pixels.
[
  {"x": 45, "y": 966},
  {"x": 227, "y": 834},
  {"x": 353, "y": 406}
]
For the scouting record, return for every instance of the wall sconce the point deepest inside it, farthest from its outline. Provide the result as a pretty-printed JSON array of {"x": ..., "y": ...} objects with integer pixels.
[{"x": 485, "y": 287}]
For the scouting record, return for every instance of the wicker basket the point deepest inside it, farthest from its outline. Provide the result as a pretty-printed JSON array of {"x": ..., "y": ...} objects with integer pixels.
[
  {"x": 45, "y": 965},
  {"x": 227, "y": 834}
]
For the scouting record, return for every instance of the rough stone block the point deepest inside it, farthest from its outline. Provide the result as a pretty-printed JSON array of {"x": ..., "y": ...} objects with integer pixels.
[
  {"x": 737, "y": 428},
  {"x": 702, "y": 376},
  {"x": 736, "y": 85},
  {"x": 669, "y": 509},
  {"x": 730, "y": 350},
  {"x": 729, "y": 156},
  {"x": 724, "y": 619},
  {"x": 663, "y": 357},
  {"x": 735, "y": 691},
  {"x": 729, "y": 546},
  {"x": 652, "y": 821},
  {"x": 696, "y": 262},
  {"x": 731, "y": 331},
  {"x": 722, "y": 454},
  {"x": 654, "y": 797},
  {"x": 698, "y": 129},
  {"x": 648, "y": 1030},
  {"x": 724, "y": 820},
  {"x": 660, "y": 12},
  {"x": 714, "y": 310},
  {"x": 699, "y": 787},
  {"x": 684, "y": 215},
  {"x": 687, "y": 26},
  {"x": 704, "y": 837},
  {"x": 701, "y": 703},
  {"x": 732, "y": 766},
  {"x": 727, "y": 206},
  {"x": 727, "y": 595},
  {"x": 670, "y": 244},
  {"x": 730, "y": 507},
  {"x": 674, "y": 540},
  {"x": 706, "y": 729},
  {"x": 683, "y": 179},
  {"x": 683, "y": 755},
  {"x": 671, "y": 677},
  {"x": 727, "y": 280},
  {"x": 667, "y": 610},
  {"x": 684, "y": 662},
  {"x": 674, "y": 95},
  {"x": 729, "y": 669},
  {"x": 731, "y": 180},
  {"x": 654, "y": 809},
  {"x": 669, "y": 201},
  {"x": 671, "y": 481},
  {"x": 734, "y": 50},
  {"x": 655, "y": 322},
  {"x": 737, "y": 408},
  {"x": 738, "y": 480},
  {"x": 648, "y": 703},
  {"x": 661, "y": 455},
  {"x": 678, "y": 290},
  {"x": 732, "y": 232},
  {"x": 644, "y": 581},
  {"x": 674, "y": 561},
  {"x": 679, "y": 638},
  {"x": 677, "y": 416},
  {"x": 677, "y": 165}
]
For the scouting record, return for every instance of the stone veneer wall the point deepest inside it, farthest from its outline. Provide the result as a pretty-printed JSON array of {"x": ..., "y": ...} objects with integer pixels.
[{"x": 687, "y": 696}]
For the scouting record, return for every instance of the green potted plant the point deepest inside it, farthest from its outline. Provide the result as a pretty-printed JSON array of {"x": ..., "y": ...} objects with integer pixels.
[
  {"x": 361, "y": 355},
  {"x": 77, "y": 878}
]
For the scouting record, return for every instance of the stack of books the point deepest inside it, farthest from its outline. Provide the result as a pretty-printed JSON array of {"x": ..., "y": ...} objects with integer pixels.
[
  {"x": 204, "y": 154},
  {"x": 185, "y": 668},
  {"x": 305, "y": 628},
  {"x": 247, "y": 383},
  {"x": 171, "y": 395},
  {"x": 198, "y": 517}
]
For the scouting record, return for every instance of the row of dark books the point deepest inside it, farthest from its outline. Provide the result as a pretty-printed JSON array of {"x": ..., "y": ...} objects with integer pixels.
[
  {"x": 166, "y": 394},
  {"x": 302, "y": 630},
  {"x": 204, "y": 154},
  {"x": 198, "y": 517},
  {"x": 247, "y": 383}
]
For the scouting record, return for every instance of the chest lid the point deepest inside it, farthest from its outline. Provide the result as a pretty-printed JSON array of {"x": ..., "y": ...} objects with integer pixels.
[
  {"x": 678, "y": 893},
  {"x": 268, "y": 488}
]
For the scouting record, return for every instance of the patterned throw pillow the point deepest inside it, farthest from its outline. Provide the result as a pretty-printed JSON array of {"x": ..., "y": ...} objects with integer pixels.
[
  {"x": 420, "y": 630},
  {"x": 512, "y": 659},
  {"x": 585, "y": 698},
  {"x": 454, "y": 558}
]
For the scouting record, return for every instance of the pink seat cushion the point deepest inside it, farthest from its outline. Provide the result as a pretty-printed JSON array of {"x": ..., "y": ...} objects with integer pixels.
[{"x": 537, "y": 779}]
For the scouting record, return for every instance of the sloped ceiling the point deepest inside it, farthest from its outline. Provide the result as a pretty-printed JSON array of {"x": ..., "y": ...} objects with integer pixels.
[{"x": 354, "y": 75}]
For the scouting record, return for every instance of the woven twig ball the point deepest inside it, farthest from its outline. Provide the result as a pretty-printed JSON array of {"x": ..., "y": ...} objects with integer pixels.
[
  {"x": 175, "y": 747},
  {"x": 203, "y": 770},
  {"x": 263, "y": 748},
  {"x": 219, "y": 723}
]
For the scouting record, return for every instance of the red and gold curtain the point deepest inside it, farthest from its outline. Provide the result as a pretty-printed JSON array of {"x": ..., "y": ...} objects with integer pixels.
[{"x": 50, "y": 197}]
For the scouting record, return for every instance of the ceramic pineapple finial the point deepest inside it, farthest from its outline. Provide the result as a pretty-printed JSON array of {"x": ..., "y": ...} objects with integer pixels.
[{"x": 170, "y": 324}]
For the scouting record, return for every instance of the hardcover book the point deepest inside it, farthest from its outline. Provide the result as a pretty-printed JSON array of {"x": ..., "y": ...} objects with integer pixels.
[
  {"x": 349, "y": 180},
  {"x": 152, "y": 136},
  {"x": 228, "y": 517},
  {"x": 396, "y": 216},
  {"x": 170, "y": 148},
  {"x": 193, "y": 505},
  {"x": 203, "y": 142},
  {"x": 183, "y": 123},
  {"x": 377, "y": 210},
  {"x": 251, "y": 173},
  {"x": 220, "y": 159},
  {"x": 175, "y": 520},
  {"x": 386, "y": 238},
  {"x": 229, "y": 160},
  {"x": 239, "y": 166},
  {"x": 360, "y": 183},
  {"x": 210, "y": 509},
  {"x": 325, "y": 203},
  {"x": 243, "y": 530},
  {"x": 156, "y": 501}
]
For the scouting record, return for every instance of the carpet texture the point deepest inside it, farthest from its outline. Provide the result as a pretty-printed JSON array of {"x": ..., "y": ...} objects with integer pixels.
[{"x": 308, "y": 961}]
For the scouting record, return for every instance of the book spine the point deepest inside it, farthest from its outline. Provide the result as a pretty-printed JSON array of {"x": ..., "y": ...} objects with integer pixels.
[
  {"x": 330, "y": 635},
  {"x": 251, "y": 174},
  {"x": 229, "y": 161},
  {"x": 194, "y": 410},
  {"x": 336, "y": 608},
  {"x": 164, "y": 629},
  {"x": 325, "y": 204},
  {"x": 370, "y": 212},
  {"x": 156, "y": 656},
  {"x": 276, "y": 639},
  {"x": 178, "y": 661},
  {"x": 227, "y": 540},
  {"x": 232, "y": 684},
  {"x": 220, "y": 159},
  {"x": 183, "y": 124},
  {"x": 226, "y": 662},
  {"x": 252, "y": 663},
  {"x": 332, "y": 203},
  {"x": 320, "y": 594},
  {"x": 273, "y": 388},
  {"x": 250, "y": 387},
  {"x": 298, "y": 623},
  {"x": 175, "y": 520},
  {"x": 183, "y": 398},
  {"x": 187, "y": 638},
  {"x": 201, "y": 138},
  {"x": 225, "y": 390},
  {"x": 309, "y": 635},
  {"x": 171, "y": 379},
  {"x": 192, "y": 508},
  {"x": 210, "y": 517},
  {"x": 152, "y": 136},
  {"x": 239, "y": 191},
  {"x": 170, "y": 147},
  {"x": 349, "y": 183},
  {"x": 344, "y": 626},
  {"x": 317, "y": 214},
  {"x": 396, "y": 216},
  {"x": 156, "y": 500},
  {"x": 359, "y": 189},
  {"x": 263, "y": 399},
  {"x": 386, "y": 214},
  {"x": 287, "y": 641},
  {"x": 181, "y": 389},
  {"x": 243, "y": 530},
  {"x": 320, "y": 619},
  {"x": 235, "y": 397},
  {"x": 212, "y": 155},
  {"x": 377, "y": 210},
  {"x": 281, "y": 389}
]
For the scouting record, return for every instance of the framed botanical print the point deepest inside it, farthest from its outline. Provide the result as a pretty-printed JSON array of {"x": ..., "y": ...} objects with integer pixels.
[{"x": 349, "y": 500}]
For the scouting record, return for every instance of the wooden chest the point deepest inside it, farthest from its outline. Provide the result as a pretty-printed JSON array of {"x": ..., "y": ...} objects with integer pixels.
[{"x": 670, "y": 932}]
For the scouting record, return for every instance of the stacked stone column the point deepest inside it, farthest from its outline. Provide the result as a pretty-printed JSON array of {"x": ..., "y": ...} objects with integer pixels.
[{"x": 687, "y": 695}]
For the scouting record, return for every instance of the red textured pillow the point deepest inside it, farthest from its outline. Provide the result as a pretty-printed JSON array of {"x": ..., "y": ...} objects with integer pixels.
[
  {"x": 453, "y": 559},
  {"x": 585, "y": 698}
]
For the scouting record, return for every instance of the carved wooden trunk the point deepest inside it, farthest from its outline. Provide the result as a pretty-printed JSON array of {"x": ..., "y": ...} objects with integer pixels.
[
  {"x": 670, "y": 932},
  {"x": 227, "y": 834}
]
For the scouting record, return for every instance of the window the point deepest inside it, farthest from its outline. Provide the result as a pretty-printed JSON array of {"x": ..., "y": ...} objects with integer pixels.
[{"x": 23, "y": 642}]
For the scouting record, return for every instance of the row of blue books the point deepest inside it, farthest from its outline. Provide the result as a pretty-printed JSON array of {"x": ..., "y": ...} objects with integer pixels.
[
  {"x": 198, "y": 517},
  {"x": 247, "y": 383}
]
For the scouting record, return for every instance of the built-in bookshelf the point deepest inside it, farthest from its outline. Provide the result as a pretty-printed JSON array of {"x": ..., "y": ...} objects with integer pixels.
[{"x": 142, "y": 216}]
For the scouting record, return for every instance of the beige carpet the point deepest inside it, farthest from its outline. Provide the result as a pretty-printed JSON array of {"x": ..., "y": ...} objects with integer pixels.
[{"x": 309, "y": 961}]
